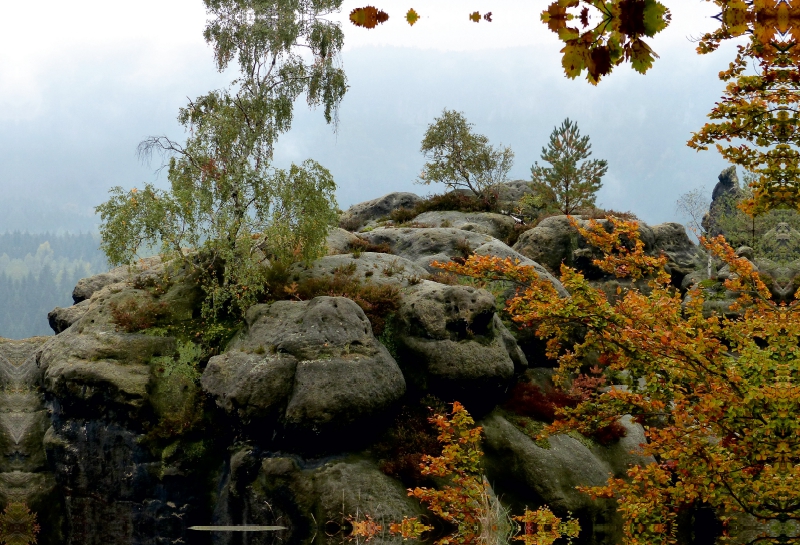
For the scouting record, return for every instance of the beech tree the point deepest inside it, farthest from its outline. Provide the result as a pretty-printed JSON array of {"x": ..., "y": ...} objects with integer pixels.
[
  {"x": 571, "y": 182},
  {"x": 461, "y": 159}
]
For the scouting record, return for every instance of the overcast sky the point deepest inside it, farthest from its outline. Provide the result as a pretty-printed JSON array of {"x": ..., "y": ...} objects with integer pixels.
[{"x": 82, "y": 82}]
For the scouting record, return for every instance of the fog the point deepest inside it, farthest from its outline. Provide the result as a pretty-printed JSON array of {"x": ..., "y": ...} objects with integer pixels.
[{"x": 92, "y": 80}]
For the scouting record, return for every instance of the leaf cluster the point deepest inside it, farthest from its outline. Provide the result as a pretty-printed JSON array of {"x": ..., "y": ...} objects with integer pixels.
[
  {"x": 617, "y": 38},
  {"x": 459, "y": 158},
  {"x": 716, "y": 392}
]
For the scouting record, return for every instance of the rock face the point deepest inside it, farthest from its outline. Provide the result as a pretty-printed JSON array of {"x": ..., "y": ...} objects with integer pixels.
[
  {"x": 723, "y": 200},
  {"x": 359, "y": 214},
  {"x": 542, "y": 475},
  {"x": 368, "y": 267},
  {"x": 494, "y": 225},
  {"x": 452, "y": 343},
  {"x": 24, "y": 472},
  {"x": 339, "y": 241},
  {"x": 313, "y": 364},
  {"x": 265, "y": 489},
  {"x": 61, "y": 318},
  {"x": 135, "y": 433},
  {"x": 423, "y": 246},
  {"x": 93, "y": 367},
  {"x": 554, "y": 241}
]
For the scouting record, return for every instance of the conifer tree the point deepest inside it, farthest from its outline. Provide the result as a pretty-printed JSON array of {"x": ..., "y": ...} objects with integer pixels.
[{"x": 571, "y": 182}]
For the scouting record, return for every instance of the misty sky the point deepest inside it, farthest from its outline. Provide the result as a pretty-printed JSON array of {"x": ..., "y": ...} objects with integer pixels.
[{"x": 82, "y": 82}]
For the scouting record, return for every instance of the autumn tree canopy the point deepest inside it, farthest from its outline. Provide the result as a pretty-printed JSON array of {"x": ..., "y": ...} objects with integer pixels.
[{"x": 716, "y": 393}]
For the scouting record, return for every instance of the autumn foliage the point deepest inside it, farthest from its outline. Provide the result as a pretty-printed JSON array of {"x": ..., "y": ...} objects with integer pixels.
[
  {"x": 617, "y": 37},
  {"x": 717, "y": 394},
  {"x": 370, "y": 17}
]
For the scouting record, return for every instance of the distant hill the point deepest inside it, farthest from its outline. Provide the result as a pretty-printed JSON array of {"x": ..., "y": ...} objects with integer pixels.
[{"x": 37, "y": 273}]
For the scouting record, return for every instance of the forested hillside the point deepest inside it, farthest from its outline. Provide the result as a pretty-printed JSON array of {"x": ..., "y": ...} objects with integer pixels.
[{"x": 37, "y": 273}]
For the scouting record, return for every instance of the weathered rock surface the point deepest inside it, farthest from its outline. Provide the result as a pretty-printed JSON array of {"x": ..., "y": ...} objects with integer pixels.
[
  {"x": 683, "y": 255},
  {"x": 369, "y": 267},
  {"x": 540, "y": 475},
  {"x": 494, "y": 225},
  {"x": 88, "y": 286},
  {"x": 317, "y": 361},
  {"x": 60, "y": 318},
  {"x": 360, "y": 214},
  {"x": 423, "y": 246},
  {"x": 309, "y": 498},
  {"x": 554, "y": 241},
  {"x": 509, "y": 193},
  {"x": 94, "y": 366},
  {"x": 451, "y": 342},
  {"x": 339, "y": 241}
]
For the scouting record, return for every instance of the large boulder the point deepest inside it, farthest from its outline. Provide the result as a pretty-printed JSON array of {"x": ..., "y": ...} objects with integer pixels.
[
  {"x": 144, "y": 267},
  {"x": 423, "y": 246},
  {"x": 555, "y": 241},
  {"x": 360, "y": 214},
  {"x": 60, "y": 318},
  {"x": 538, "y": 475},
  {"x": 314, "y": 364},
  {"x": 495, "y": 225},
  {"x": 451, "y": 342},
  {"x": 683, "y": 256},
  {"x": 368, "y": 267},
  {"x": 509, "y": 193},
  {"x": 93, "y": 366},
  {"x": 340, "y": 241}
]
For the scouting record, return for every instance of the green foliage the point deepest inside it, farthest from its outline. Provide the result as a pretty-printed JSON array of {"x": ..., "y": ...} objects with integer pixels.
[
  {"x": 459, "y": 158},
  {"x": 225, "y": 200},
  {"x": 570, "y": 183},
  {"x": 387, "y": 337}
]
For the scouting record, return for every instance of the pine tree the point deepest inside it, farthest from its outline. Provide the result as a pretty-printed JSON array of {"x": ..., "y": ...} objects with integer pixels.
[{"x": 568, "y": 183}]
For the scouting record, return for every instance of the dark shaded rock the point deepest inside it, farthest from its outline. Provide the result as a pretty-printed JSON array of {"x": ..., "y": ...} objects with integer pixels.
[
  {"x": 61, "y": 318},
  {"x": 112, "y": 490},
  {"x": 309, "y": 498}
]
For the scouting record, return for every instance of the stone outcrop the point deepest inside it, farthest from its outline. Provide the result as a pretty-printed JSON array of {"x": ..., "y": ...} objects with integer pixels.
[
  {"x": 498, "y": 226},
  {"x": 360, "y": 214},
  {"x": 368, "y": 267},
  {"x": 135, "y": 435},
  {"x": 313, "y": 364},
  {"x": 452, "y": 342}
]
